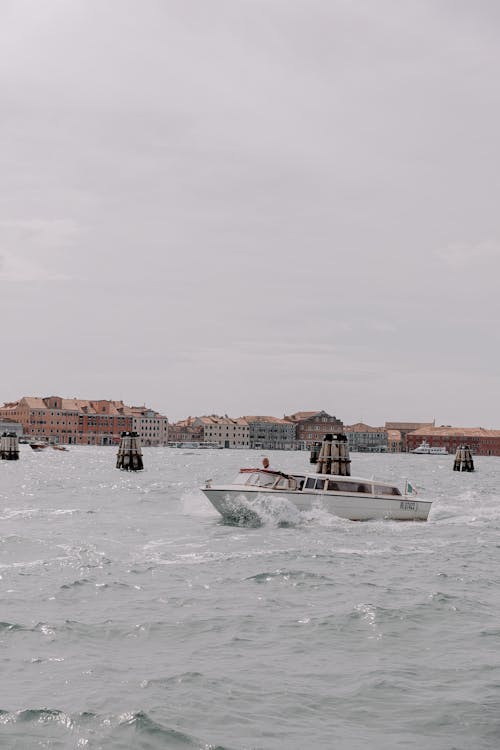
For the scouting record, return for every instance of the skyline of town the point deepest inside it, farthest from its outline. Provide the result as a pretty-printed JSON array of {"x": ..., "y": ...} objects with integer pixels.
[
  {"x": 74, "y": 421},
  {"x": 174, "y": 416}
]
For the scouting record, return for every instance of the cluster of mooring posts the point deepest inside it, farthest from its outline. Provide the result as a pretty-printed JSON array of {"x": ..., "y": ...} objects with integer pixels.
[
  {"x": 334, "y": 456},
  {"x": 129, "y": 457},
  {"x": 9, "y": 446},
  {"x": 463, "y": 459}
]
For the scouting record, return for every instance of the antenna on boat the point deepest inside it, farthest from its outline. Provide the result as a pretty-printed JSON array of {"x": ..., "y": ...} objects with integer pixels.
[{"x": 334, "y": 456}]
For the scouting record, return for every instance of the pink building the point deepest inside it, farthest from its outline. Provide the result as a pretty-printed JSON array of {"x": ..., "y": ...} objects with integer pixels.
[{"x": 76, "y": 421}]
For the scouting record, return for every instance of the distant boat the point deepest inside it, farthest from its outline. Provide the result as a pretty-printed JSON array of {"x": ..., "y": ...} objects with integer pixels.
[
  {"x": 427, "y": 449},
  {"x": 38, "y": 446},
  {"x": 59, "y": 447},
  {"x": 192, "y": 445}
]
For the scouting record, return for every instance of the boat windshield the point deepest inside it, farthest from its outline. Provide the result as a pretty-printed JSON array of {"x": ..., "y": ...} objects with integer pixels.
[
  {"x": 257, "y": 478},
  {"x": 262, "y": 478}
]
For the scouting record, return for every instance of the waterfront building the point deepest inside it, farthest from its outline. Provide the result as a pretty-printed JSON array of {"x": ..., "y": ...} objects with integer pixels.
[
  {"x": 102, "y": 422},
  {"x": 151, "y": 426},
  {"x": 8, "y": 425},
  {"x": 394, "y": 441},
  {"x": 225, "y": 431},
  {"x": 365, "y": 439},
  {"x": 404, "y": 428},
  {"x": 312, "y": 426},
  {"x": 185, "y": 431},
  {"x": 45, "y": 419},
  {"x": 271, "y": 433},
  {"x": 72, "y": 421},
  {"x": 481, "y": 441}
]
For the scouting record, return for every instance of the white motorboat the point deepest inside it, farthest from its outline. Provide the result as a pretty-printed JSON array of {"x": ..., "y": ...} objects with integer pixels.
[
  {"x": 347, "y": 497},
  {"x": 430, "y": 450}
]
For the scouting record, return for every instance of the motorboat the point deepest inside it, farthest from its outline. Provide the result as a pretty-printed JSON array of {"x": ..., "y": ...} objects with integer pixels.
[
  {"x": 430, "y": 450},
  {"x": 38, "y": 446},
  {"x": 352, "y": 498}
]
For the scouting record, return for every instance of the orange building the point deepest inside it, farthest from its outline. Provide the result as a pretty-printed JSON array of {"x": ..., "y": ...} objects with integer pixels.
[
  {"x": 76, "y": 421},
  {"x": 102, "y": 422},
  {"x": 45, "y": 418}
]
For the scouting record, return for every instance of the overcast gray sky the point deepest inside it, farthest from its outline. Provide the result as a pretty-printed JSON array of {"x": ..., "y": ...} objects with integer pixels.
[{"x": 253, "y": 206}]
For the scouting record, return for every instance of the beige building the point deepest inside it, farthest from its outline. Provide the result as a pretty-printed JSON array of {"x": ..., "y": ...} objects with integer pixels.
[
  {"x": 225, "y": 431},
  {"x": 394, "y": 441},
  {"x": 151, "y": 426}
]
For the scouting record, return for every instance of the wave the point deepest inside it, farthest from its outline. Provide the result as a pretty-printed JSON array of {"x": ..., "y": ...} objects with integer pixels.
[
  {"x": 14, "y": 513},
  {"x": 295, "y": 577},
  {"x": 184, "y": 677},
  {"x": 79, "y": 582},
  {"x": 117, "y": 732},
  {"x": 266, "y": 510},
  {"x": 75, "y": 584},
  {"x": 11, "y": 626}
]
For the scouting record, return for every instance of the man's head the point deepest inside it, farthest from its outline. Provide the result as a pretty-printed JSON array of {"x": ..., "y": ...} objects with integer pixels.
[{"x": 265, "y": 463}]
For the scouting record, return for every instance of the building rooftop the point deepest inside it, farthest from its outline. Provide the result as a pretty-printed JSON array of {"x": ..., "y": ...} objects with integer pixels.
[
  {"x": 446, "y": 431},
  {"x": 300, "y": 415},
  {"x": 274, "y": 420},
  {"x": 406, "y": 425},
  {"x": 362, "y": 427}
]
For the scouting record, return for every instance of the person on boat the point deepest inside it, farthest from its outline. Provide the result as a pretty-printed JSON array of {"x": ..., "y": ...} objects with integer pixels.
[{"x": 265, "y": 463}]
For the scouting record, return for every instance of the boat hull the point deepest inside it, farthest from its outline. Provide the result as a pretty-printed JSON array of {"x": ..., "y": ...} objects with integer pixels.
[{"x": 240, "y": 504}]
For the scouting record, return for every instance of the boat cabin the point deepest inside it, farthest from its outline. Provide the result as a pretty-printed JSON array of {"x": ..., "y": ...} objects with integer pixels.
[{"x": 312, "y": 483}]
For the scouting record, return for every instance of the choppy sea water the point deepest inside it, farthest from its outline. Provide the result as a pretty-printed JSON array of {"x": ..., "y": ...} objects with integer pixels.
[{"x": 131, "y": 617}]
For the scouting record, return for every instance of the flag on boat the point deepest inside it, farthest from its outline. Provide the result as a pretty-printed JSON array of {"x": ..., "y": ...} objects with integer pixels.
[{"x": 410, "y": 489}]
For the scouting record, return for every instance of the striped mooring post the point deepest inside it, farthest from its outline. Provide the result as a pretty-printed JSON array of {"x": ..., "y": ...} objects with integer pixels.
[
  {"x": 334, "y": 456},
  {"x": 129, "y": 456},
  {"x": 9, "y": 446},
  {"x": 463, "y": 459}
]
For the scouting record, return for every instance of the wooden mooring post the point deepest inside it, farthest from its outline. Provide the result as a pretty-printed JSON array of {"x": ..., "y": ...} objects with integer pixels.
[
  {"x": 334, "y": 456},
  {"x": 9, "y": 446},
  {"x": 463, "y": 459},
  {"x": 129, "y": 456},
  {"x": 315, "y": 451}
]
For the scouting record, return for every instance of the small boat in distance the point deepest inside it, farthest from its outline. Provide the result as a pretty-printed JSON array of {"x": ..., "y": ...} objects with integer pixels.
[
  {"x": 353, "y": 498},
  {"x": 427, "y": 449},
  {"x": 38, "y": 445}
]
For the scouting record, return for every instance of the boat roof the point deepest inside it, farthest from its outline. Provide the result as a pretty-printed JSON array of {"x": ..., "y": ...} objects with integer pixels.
[
  {"x": 350, "y": 478},
  {"x": 315, "y": 474}
]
